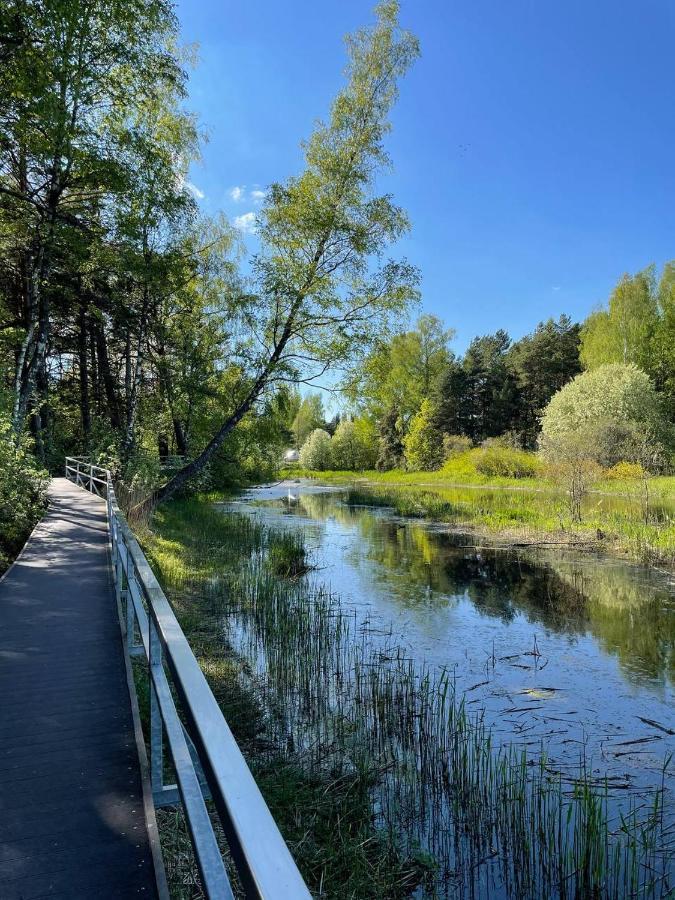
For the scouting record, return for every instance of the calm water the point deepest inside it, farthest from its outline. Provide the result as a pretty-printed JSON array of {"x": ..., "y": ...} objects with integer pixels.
[{"x": 573, "y": 651}]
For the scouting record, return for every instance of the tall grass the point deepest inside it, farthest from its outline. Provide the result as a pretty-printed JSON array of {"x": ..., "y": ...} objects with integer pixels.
[
  {"x": 382, "y": 781},
  {"x": 609, "y": 523}
]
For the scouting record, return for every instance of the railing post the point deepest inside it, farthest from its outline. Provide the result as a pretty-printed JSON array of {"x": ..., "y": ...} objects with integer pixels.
[
  {"x": 156, "y": 729},
  {"x": 130, "y": 613}
]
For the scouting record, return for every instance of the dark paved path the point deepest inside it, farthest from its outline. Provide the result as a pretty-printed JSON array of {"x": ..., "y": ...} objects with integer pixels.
[{"x": 71, "y": 810}]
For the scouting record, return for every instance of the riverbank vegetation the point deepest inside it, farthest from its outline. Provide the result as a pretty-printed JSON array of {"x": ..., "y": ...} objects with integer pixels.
[
  {"x": 381, "y": 779},
  {"x": 633, "y": 516},
  {"x": 23, "y": 497}
]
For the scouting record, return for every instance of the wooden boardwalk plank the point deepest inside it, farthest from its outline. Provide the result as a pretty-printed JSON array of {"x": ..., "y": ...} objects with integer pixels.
[{"x": 72, "y": 820}]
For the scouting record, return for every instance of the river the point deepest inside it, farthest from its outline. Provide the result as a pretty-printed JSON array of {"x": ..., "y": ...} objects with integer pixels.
[{"x": 568, "y": 651}]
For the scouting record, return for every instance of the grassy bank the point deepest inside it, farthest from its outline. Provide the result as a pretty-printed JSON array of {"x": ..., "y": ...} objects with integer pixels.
[
  {"x": 378, "y": 777},
  {"x": 202, "y": 558},
  {"x": 616, "y": 517}
]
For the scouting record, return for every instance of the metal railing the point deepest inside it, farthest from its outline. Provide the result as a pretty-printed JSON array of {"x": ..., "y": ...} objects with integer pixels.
[{"x": 208, "y": 763}]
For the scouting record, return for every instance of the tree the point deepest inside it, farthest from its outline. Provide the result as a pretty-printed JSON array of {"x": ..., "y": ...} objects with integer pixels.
[
  {"x": 614, "y": 397},
  {"x": 78, "y": 72},
  {"x": 623, "y": 333},
  {"x": 424, "y": 442},
  {"x": 309, "y": 416},
  {"x": 662, "y": 367},
  {"x": 316, "y": 298},
  {"x": 572, "y": 465},
  {"x": 390, "y": 454},
  {"x": 316, "y": 452},
  {"x": 403, "y": 371},
  {"x": 453, "y": 408},
  {"x": 542, "y": 363},
  {"x": 490, "y": 390},
  {"x": 354, "y": 445}
]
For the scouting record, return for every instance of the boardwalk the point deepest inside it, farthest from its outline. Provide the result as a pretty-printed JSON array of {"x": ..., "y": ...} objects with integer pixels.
[{"x": 71, "y": 808}]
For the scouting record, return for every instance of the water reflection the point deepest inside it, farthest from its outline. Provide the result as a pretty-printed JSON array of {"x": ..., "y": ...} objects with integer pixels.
[
  {"x": 628, "y": 609},
  {"x": 570, "y": 650}
]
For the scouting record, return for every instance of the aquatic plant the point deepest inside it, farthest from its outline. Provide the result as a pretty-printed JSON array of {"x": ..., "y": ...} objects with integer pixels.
[{"x": 430, "y": 797}]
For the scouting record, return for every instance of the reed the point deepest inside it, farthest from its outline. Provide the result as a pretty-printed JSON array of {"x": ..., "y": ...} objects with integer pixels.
[{"x": 383, "y": 783}]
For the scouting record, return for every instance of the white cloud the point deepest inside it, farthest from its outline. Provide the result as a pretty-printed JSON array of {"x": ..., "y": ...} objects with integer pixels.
[
  {"x": 556, "y": 287},
  {"x": 237, "y": 193},
  {"x": 257, "y": 195},
  {"x": 194, "y": 190},
  {"x": 245, "y": 222}
]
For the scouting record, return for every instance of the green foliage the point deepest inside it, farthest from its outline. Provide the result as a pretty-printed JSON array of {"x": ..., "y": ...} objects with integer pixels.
[
  {"x": 478, "y": 396},
  {"x": 623, "y": 333},
  {"x": 354, "y": 445},
  {"x": 637, "y": 327},
  {"x": 424, "y": 442},
  {"x": 310, "y": 415},
  {"x": 23, "y": 495},
  {"x": 625, "y": 471},
  {"x": 286, "y": 554},
  {"x": 455, "y": 444},
  {"x": 403, "y": 371},
  {"x": 390, "y": 454},
  {"x": 606, "y": 409},
  {"x": 316, "y": 452},
  {"x": 542, "y": 363},
  {"x": 504, "y": 462}
]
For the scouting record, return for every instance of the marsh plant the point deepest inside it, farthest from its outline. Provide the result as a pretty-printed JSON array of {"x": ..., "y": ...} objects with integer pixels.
[{"x": 340, "y": 702}]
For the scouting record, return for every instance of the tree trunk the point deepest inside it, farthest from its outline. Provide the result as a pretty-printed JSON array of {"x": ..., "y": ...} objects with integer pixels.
[
  {"x": 133, "y": 382},
  {"x": 106, "y": 377},
  {"x": 85, "y": 410},
  {"x": 93, "y": 362},
  {"x": 196, "y": 465}
]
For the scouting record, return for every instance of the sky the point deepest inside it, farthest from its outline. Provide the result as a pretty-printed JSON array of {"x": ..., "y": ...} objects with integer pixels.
[{"x": 532, "y": 143}]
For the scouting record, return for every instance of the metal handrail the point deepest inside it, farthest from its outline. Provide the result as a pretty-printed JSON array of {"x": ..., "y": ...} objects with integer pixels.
[{"x": 205, "y": 755}]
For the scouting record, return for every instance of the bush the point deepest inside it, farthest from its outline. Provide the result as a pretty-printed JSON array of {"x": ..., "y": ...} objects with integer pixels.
[
  {"x": 454, "y": 444},
  {"x": 510, "y": 439},
  {"x": 617, "y": 410},
  {"x": 571, "y": 465},
  {"x": 625, "y": 471},
  {"x": 23, "y": 495},
  {"x": 316, "y": 451},
  {"x": 502, "y": 462},
  {"x": 354, "y": 446}
]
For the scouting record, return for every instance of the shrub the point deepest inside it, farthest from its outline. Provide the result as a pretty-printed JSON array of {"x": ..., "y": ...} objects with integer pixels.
[
  {"x": 423, "y": 444},
  {"x": 354, "y": 446},
  {"x": 625, "y": 470},
  {"x": 23, "y": 495},
  {"x": 316, "y": 451},
  {"x": 502, "y": 462},
  {"x": 571, "y": 465},
  {"x": 614, "y": 407},
  {"x": 454, "y": 444},
  {"x": 510, "y": 439}
]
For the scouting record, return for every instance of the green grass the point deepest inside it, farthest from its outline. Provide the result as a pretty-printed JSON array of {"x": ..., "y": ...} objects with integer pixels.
[
  {"x": 529, "y": 510},
  {"x": 199, "y": 554},
  {"x": 379, "y": 779}
]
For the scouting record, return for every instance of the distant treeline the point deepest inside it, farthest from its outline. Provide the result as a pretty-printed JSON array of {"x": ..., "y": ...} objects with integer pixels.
[{"x": 415, "y": 391}]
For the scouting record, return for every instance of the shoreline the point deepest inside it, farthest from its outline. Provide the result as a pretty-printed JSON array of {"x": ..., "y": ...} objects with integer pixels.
[{"x": 629, "y": 539}]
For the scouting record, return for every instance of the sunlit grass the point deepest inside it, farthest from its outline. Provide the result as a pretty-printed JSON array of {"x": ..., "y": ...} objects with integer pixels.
[
  {"x": 616, "y": 515},
  {"x": 379, "y": 778}
]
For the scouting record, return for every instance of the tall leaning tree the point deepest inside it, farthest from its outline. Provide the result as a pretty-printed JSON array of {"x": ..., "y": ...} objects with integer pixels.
[{"x": 321, "y": 290}]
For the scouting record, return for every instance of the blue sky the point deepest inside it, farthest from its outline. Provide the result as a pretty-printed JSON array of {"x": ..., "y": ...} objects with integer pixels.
[{"x": 532, "y": 144}]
